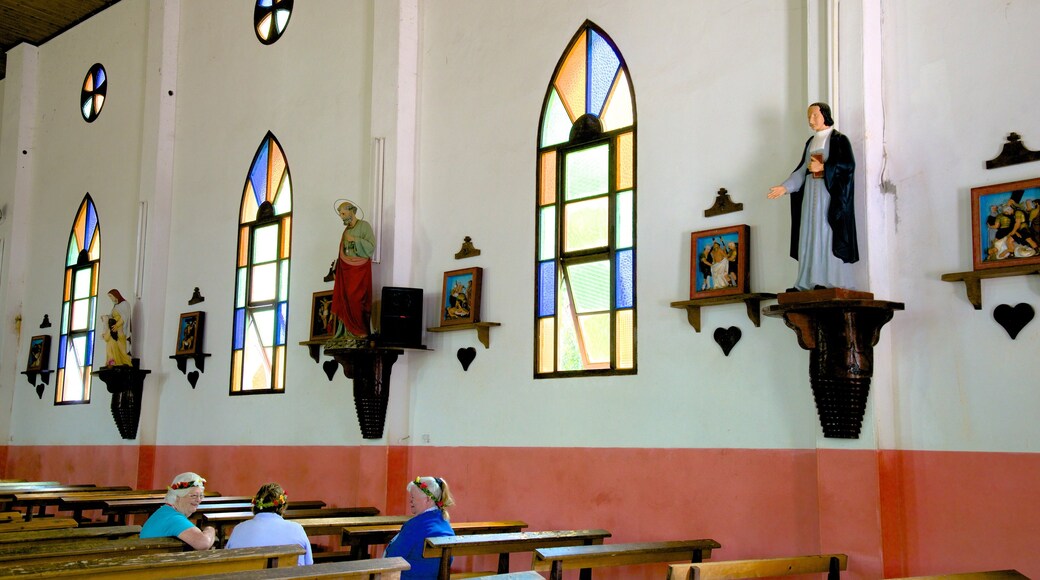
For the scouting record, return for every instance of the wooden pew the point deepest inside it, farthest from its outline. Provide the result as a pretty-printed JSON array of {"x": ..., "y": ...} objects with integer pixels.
[
  {"x": 556, "y": 560},
  {"x": 153, "y": 566},
  {"x": 503, "y": 544},
  {"x": 85, "y": 549},
  {"x": 360, "y": 538},
  {"x": 377, "y": 569},
  {"x": 525, "y": 575},
  {"x": 77, "y": 503},
  {"x": 770, "y": 567},
  {"x": 43, "y": 498},
  {"x": 990, "y": 575},
  {"x": 117, "y": 510},
  {"x": 223, "y": 522},
  {"x": 67, "y": 535},
  {"x": 6, "y": 517},
  {"x": 38, "y": 524}
]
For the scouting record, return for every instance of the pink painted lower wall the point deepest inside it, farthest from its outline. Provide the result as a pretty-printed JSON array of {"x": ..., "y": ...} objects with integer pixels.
[{"x": 896, "y": 513}]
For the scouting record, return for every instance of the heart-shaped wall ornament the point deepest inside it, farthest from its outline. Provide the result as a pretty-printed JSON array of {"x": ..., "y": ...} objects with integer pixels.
[
  {"x": 39, "y": 391},
  {"x": 727, "y": 338},
  {"x": 193, "y": 378},
  {"x": 466, "y": 356},
  {"x": 329, "y": 367},
  {"x": 1013, "y": 318}
]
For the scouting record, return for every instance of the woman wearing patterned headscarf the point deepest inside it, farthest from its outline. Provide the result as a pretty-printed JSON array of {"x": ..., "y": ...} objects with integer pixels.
[
  {"x": 171, "y": 520},
  {"x": 428, "y": 500},
  {"x": 268, "y": 528}
]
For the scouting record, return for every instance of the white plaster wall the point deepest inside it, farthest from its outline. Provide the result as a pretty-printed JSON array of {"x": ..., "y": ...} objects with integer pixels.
[{"x": 956, "y": 82}]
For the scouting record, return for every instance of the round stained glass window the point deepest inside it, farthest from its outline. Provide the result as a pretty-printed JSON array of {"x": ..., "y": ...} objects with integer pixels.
[
  {"x": 270, "y": 19},
  {"x": 92, "y": 97}
]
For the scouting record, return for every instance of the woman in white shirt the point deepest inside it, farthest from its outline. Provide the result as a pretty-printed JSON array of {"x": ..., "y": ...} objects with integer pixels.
[{"x": 268, "y": 528}]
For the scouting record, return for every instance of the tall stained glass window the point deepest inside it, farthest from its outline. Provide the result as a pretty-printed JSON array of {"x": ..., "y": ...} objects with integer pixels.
[
  {"x": 585, "y": 282},
  {"x": 262, "y": 274},
  {"x": 79, "y": 307},
  {"x": 270, "y": 17},
  {"x": 92, "y": 96}
]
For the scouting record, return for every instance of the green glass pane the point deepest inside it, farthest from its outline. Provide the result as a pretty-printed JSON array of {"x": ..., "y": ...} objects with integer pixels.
[
  {"x": 568, "y": 355},
  {"x": 547, "y": 233},
  {"x": 595, "y": 335},
  {"x": 587, "y": 172},
  {"x": 263, "y": 283},
  {"x": 73, "y": 254},
  {"x": 623, "y": 227},
  {"x": 585, "y": 224},
  {"x": 80, "y": 314},
  {"x": 556, "y": 123},
  {"x": 93, "y": 312},
  {"x": 283, "y": 199},
  {"x": 265, "y": 244},
  {"x": 240, "y": 289},
  {"x": 591, "y": 286},
  {"x": 65, "y": 317},
  {"x": 283, "y": 280},
  {"x": 81, "y": 283}
]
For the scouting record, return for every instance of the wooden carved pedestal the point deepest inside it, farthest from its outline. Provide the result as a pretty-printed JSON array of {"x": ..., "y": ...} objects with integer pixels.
[
  {"x": 839, "y": 328},
  {"x": 369, "y": 368},
  {"x": 126, "y": 383}
]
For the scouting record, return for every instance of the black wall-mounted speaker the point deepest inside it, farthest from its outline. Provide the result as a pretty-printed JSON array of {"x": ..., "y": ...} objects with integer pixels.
[{"x": 400, "y": 319}]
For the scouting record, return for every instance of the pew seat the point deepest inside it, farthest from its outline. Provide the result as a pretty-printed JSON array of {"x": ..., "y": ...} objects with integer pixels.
[
  {"x": 67, "y": 535},
  {"x": 831, "y": 564},
  {"x": 989, "y": 575},
  {"x": 156, "y": 566},
  {"x": 556, "y": 560},
  {"x": 375, "y": 569},
  {"x": 525, "y": 575},
  {"x": 503, "y": 544},
  {"x": 38, "y": 524}
]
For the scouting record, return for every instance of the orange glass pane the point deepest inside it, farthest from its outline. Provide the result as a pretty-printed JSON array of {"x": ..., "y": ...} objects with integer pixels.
[
  {"x": 275, "y": 169},
  {"x": 249, "y": 206},
  {"x": 89, "y": 84},
  {"x": 243, "y": 246},
  {"x": 286, "y": 237},
  {"x": 625, "y": 346},
  {"x": 79, "y": 227},
  {"x": 93, "y": 280},
  {"x": 236, "y": 371},
  {"x": 68, "y": 284},
  {"x": 60, "y": 387},
  {"x": 86, "y": 382},
  {"x": 547, "y": 193},
  {"x": 570, "y": 82},
  {"x": 624, "y": 161},
  {"x": 617, "y": 113},
  {"x": 546, "y": 342},
  {"x": 279, "y": 368}
]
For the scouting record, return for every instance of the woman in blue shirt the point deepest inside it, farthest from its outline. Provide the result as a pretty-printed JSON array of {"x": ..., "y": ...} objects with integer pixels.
[
  {"x": 428, "y": 498},
  {"x": 171, "y": 520}
]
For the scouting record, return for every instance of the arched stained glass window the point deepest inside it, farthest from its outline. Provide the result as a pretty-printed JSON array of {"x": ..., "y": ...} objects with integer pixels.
[
  {"x": 95, "y": 88},
  {"x": 585, "y": 283},
  {"x": 79, "y": 307},
  {"x": 262, "y": 274},
  {"x": 270, "y": 17}
]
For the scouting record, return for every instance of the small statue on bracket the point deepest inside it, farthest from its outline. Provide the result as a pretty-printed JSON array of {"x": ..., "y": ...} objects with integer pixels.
[
  {"x": 352, "y": 284},
  {"x": 115, "y": 330}
]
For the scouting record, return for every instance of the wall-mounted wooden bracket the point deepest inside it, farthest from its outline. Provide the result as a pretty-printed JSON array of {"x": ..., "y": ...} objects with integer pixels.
[
  {"x": 314, "y": 348},
  {"x": 723, "y": 204},
  {"x": 1013, "y": 153},
  {"x": 483, "y": 330},
  {"x": 839, "y": 328},
  {"x": 752, "y": 301},
  {"x": 369, "y": 368},
  {"x": 126, "y": 383},
  {"x": 182, "y": 361},
  {"x": 973, "y": 284},
  {"x": 44, "y": 375}
]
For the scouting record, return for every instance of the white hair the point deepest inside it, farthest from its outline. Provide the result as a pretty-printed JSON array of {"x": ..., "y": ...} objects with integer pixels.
[{"x": 190, "y": 477}]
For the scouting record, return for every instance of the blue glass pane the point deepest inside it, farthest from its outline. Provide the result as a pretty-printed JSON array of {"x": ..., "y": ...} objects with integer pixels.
[
  {"x": 258, "y": 174},
  {"x": 61, "y": 351},
  {"x": 240, "y": 328},
  {"x": 547, "y": 288},
  {"x": 90, "y": 349},
  {"x": 264, "y": 3},
  {"x": 280, "y": 324},
  {"x": 100, "y": 78},
  {"x": 603, "y": 66},
  {"x": 88, "y": 234},
  {"x": 624, "y": 280}
]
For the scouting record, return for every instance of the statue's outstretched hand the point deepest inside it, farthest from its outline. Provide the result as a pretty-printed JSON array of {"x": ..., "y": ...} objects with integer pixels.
[{"x": 776, "y": 191}]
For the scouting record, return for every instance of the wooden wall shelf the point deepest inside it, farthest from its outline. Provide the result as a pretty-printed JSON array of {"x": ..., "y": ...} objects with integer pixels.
[
  {"x": 483, "y": 330},
  {"x": 182, "y": 361},
  {"x": 753, "y": 302},
  {"x": 973, "y": 280}
]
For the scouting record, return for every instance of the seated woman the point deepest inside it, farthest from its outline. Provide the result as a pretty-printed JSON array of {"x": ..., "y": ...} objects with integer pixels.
[
  {"x": 428, "y": 498},
  {"x": 267, "y": 528},
  {"x": 171, "y": 520}
]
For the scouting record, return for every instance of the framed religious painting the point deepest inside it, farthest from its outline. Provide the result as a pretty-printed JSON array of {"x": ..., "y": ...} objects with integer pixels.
[
  {"x": 719, "y": 261},
  {"x": 1005, "y": 224},
  {"x": 39, "y": 352},
  {"x": 460, "y": 296},
  {"x": 189, "y": 333},
  {"x": 322, "y": 327}
]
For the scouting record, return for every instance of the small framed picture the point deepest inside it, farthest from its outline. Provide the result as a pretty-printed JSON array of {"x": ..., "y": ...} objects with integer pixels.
[
  {"x": 1005, "y": 224},
  {"x": 189, "y": 333},
  {"x": 322, "y": 320},
  {"x": 460, "y": 297},
  {"x": 39, "y": 353},
  {"x": 719, "y": 261}
]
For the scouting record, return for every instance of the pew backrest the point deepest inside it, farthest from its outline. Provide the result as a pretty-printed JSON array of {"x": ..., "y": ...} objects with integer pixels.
[
  {"x": 86, "y": 549},
  {"x": 988, "y": 575},
  {"x": 38, "y": 524},
  {"x": 375, "y": 569},
  {"x": 69, "y": 535},
  {"x": 556, "y": 560},
  {"x": 503, "y": 544},
  {"x": 525, "y": 575},
  {"x": 359, "y": 538},
  {"x": 831, "y": 564}
]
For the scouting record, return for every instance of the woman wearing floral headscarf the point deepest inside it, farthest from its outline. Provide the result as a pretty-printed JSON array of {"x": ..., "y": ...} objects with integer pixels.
[
  {"x": 428, "y": 500},
  {"x": 171, "y": 520},
  {"x": 267, "y": 528}
]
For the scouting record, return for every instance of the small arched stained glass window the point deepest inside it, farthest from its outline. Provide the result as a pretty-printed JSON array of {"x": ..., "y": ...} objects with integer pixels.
[
  {"x": 79, "y": 307},
  {"x": 270, "y": 18},
  {"x": 92, "y": 97}
]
